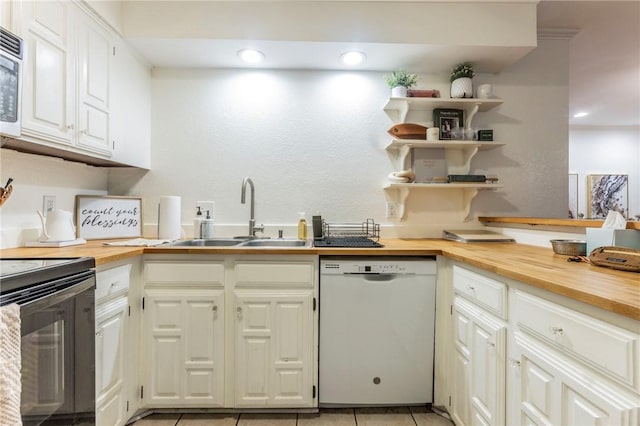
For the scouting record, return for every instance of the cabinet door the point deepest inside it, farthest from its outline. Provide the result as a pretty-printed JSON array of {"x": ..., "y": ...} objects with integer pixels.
[
  {"x": 130, "y": 109},
  {"x": 483, "y": 337},
  {"x": 95, "y": 51},
  {"x": 49, "y": 70},
  {"x": 550, "y": 389},
  {"x": 460, "y": 400},
  {"x": 111, "y": 327},
  {"x": 274, "y": 349},
  {"x": 184, "y": 346}
]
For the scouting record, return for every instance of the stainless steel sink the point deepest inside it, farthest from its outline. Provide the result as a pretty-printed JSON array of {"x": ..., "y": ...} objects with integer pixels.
[
  {"x": 240, "y": 242},
  {"x": 213, "y": 242},
  {"x": 267, "y": 242}
]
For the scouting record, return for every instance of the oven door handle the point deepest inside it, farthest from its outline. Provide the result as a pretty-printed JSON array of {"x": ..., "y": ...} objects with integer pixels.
[{"x": 33, "y": 306}]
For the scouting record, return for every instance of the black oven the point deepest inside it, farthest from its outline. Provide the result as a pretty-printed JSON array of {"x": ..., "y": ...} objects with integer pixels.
[{"x": 57, "y": 348}]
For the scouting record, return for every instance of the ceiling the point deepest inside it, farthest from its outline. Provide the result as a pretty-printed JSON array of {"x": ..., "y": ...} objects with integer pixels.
[
  {"x": 604, "y": 74},
  {"x": 604, "y": 58}
]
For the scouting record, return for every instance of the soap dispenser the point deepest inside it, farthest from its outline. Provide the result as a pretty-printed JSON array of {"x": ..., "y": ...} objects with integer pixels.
[
  {"x": 206, "y": 228},
  {"x": 197, "y": 224},
  {"x": 302, "y": 227}
]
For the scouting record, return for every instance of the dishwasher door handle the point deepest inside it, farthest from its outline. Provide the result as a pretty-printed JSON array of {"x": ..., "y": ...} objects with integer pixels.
[{"x": 369, "y": 276}]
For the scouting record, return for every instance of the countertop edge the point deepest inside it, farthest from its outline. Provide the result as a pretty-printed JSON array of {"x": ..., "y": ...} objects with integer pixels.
[
  {"x": 540, "y": 221},
  {"x": 534, "y": 266}
]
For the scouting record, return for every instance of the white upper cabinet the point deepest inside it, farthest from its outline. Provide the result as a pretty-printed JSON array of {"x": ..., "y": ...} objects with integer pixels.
[
  {"x": 131, "y": 108},
  {"x": 66, "y": 77},
  {"x": 49, "y": 70},
  {"x": 95, "y": 50},
  {"x": 86, "y": 95}
]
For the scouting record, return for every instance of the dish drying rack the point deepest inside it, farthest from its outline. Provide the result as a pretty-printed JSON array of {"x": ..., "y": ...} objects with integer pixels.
[
  {"x": 365, "y": 230},
  {"x": 365, "y": 234}
]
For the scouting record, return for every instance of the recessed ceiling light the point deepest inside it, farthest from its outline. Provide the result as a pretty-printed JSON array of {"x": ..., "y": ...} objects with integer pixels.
[
  {"x": 352, "y": 57},
  {"x": 251, "y": 56},
  {"x": 580, "y": 114}
]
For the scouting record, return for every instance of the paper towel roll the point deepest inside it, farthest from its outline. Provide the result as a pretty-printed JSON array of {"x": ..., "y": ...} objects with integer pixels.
[{"x": 169, "y": 218}]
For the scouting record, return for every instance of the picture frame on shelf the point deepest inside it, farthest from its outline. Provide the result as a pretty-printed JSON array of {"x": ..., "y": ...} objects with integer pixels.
[
  {"x": 105, "y": 217},
  {"x": 448, "y": 119},
  {"x": 573, "y": 196},
  {"x": 607, "y": 192}
]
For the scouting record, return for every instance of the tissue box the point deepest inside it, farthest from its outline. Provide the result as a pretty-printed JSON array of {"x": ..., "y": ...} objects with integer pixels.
[{"x": 598, "y": 237}]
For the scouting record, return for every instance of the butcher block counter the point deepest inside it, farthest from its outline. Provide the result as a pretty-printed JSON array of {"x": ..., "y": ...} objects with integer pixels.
[{"x": 614, "y": 291}]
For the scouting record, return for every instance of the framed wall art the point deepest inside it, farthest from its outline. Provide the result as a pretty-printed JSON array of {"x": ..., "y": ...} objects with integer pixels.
[
  {"x": 607, "y": 192},
  {"x": 447, "y": 120},
  {"x": 573, "y": 195},
  {"x": 104, "y": 217}
]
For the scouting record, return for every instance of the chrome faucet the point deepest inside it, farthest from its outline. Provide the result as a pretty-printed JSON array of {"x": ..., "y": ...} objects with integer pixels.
[{"x": 252, "y": 221}]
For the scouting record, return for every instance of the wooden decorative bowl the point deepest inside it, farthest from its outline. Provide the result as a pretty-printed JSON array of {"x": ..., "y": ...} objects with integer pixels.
[{"x": 408, "y": 131}]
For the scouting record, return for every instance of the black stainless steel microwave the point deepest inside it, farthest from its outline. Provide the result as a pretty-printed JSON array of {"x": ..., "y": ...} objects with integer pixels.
[{"x": 11, "y": 52}]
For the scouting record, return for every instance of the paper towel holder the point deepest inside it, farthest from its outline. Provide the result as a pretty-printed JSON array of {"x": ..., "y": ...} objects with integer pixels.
[{"x": 167, "y": 233}]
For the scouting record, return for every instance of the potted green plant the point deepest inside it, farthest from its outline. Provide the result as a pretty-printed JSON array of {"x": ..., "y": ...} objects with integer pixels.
[
  {"x": 399, "y": 81},
  {"x": 461, "y": 83}
]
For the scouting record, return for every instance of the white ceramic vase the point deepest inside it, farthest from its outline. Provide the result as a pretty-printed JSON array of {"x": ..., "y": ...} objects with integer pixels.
[
  {"x": 399, "y": 92},
  {"x": 462, "y": 88}
]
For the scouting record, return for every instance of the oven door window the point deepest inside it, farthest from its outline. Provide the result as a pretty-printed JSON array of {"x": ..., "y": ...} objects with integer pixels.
[{"x": 58, "y": 363}]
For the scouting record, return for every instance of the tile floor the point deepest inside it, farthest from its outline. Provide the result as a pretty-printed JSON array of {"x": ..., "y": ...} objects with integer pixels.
[{"x": 396, "y": 416}]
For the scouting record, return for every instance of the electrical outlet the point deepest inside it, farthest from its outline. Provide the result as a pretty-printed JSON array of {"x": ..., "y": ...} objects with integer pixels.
[
  {"x": 48, "y": 203},
  {"x": 392, "y": 210}
]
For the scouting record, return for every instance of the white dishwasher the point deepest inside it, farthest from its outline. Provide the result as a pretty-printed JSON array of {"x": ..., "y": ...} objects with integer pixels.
[{"x": 377, "y": 319}]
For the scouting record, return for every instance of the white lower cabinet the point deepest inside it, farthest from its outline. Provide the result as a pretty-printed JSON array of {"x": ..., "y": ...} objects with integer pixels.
[
  {"x": 519, "y": 358},
  {"x": 479, "y": 372},
  {"x": 184, "y": 344},
  {"x": 232, "y": 332},
  {"x": 567, "y": 368},
  {"x": 549, "y": 389},
  {"x": 112, "y": 350},
  {"x": 111, "y": 323},
  {"x": 274, "y": 349}
]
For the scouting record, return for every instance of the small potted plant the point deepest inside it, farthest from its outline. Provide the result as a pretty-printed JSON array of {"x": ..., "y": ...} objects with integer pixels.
[
  {"x": 399, "y": 81},
  {"x": 461, "y": 83}
]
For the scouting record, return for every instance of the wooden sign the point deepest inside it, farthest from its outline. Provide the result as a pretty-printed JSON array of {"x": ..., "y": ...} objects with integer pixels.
[{"x": 103, "y": 217}]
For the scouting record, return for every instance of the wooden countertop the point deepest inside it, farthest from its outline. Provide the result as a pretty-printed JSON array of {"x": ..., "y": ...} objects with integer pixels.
[
  {"x": 609, "y": 289},
  {"x": 580, "y": 223}
]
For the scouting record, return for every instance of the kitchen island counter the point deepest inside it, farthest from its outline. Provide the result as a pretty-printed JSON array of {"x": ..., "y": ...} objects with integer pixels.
[{"x": 608, "y": 289}]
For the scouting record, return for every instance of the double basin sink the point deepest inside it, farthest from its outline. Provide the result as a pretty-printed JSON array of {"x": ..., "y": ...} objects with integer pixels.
[{"x": 241, "y": 242}]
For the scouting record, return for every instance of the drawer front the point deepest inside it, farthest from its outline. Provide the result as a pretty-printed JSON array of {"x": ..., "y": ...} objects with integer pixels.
[
  {"x": 111, "y": 282},
  {"x": 252, "y": 274},
  {"x": 605, "y": 347},
  {"x": 209, "y": 273},
  {"x": 486, "y": 292}
]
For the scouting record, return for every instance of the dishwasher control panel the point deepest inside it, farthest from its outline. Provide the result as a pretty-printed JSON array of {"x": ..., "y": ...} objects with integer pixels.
[{"x": 377, "y": 266}]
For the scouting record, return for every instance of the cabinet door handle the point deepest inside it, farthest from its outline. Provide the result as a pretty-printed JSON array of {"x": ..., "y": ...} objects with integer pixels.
[
  {"x": 70, "y": 126},
  {"x": 214, "y": 308},
  {"x": 515, "y": 363},
  {"x": 557, "y": 330},
  {"x": 471, "y": 288},
  {"x": 239, "y": 312},
  {"x": 490, "y": 344}
]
